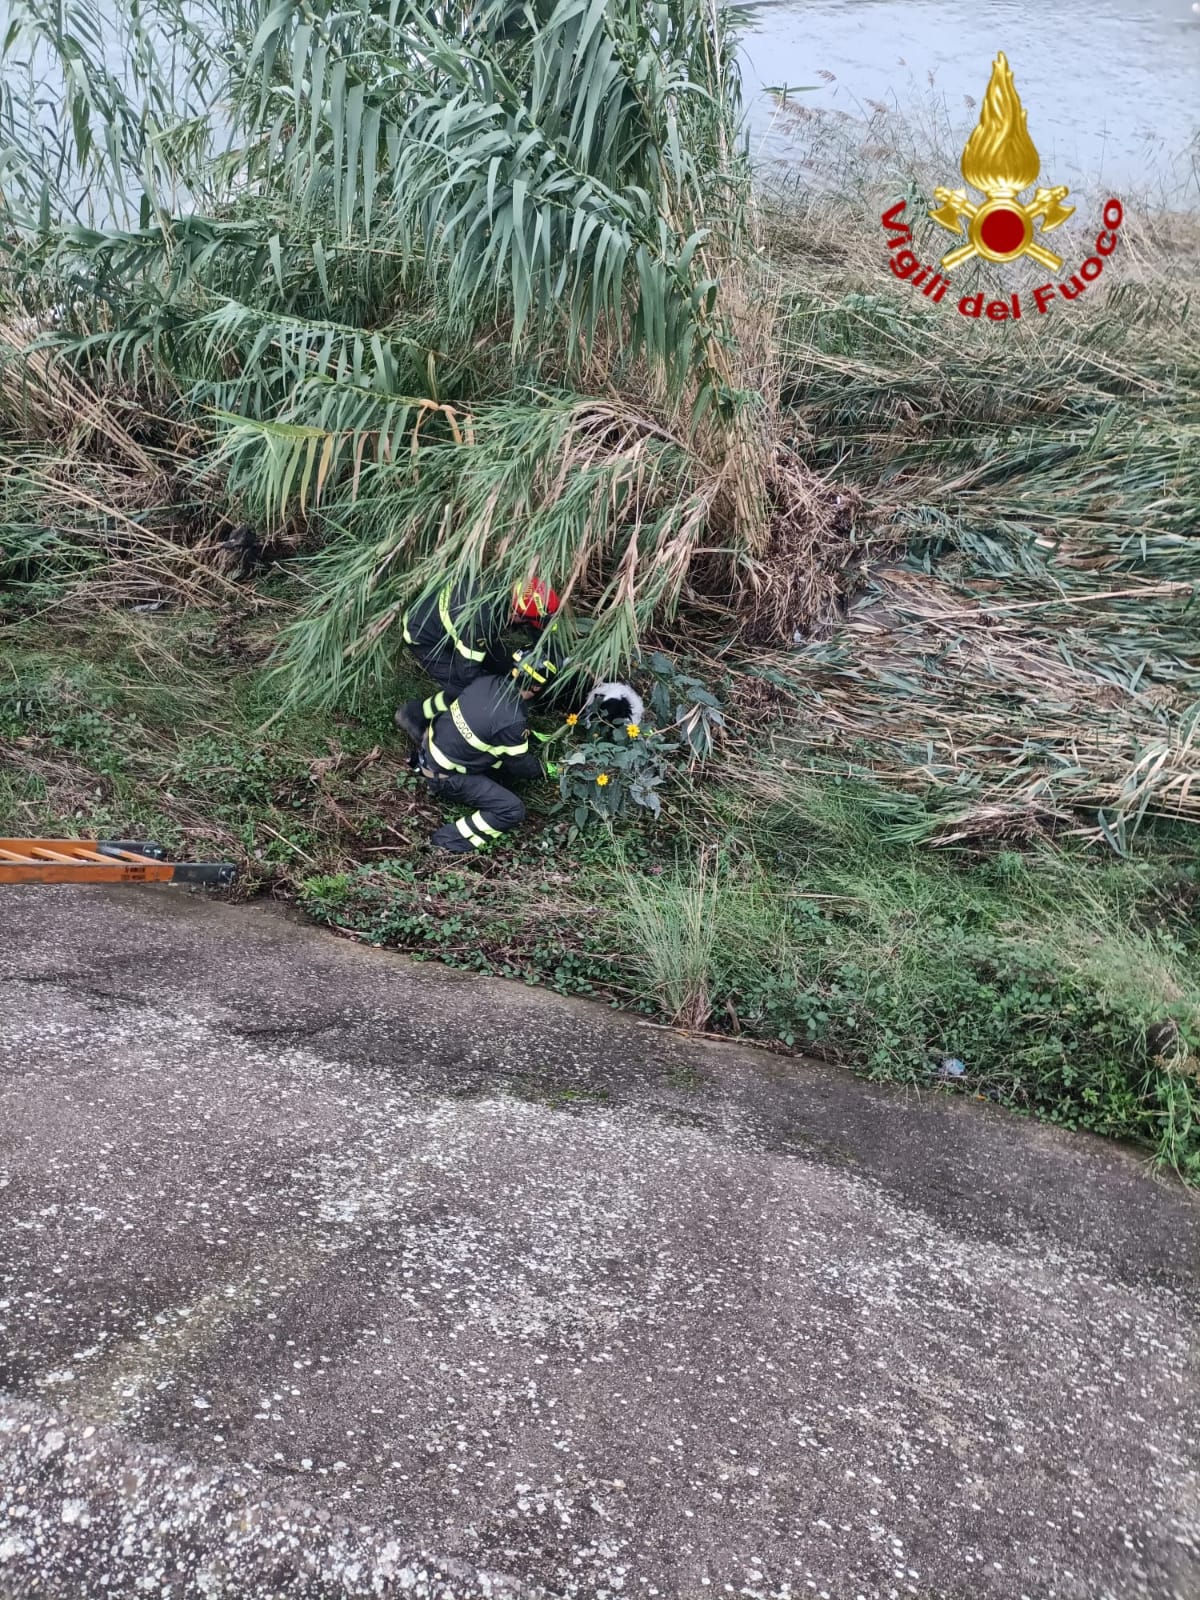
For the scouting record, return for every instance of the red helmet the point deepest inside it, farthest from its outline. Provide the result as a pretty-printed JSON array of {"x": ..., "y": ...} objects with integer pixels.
[{"x": 535, "y": 602}]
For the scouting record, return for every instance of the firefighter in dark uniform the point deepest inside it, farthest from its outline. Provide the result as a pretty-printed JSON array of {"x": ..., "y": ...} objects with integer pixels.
[
  {"x": 457, "y": 636},
  {"x": 479, "y": 745}
]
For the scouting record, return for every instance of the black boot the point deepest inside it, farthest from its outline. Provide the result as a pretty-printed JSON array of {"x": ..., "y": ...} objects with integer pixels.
[{"x": 449, "y": 839}]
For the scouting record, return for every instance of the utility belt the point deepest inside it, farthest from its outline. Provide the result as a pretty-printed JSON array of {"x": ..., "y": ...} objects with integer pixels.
[
  {"x": 425, "y": 764},
  {"x": 432, "y": 764}
]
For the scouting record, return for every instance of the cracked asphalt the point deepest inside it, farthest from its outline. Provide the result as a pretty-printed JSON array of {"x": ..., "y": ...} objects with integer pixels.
[{"x": 323, "y": 1272}]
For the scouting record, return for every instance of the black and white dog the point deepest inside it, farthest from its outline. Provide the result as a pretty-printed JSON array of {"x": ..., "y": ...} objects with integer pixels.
[{"x": 613, "y": 702}]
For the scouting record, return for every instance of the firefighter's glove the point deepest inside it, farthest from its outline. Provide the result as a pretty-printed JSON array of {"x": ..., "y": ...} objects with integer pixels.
[{"x": 552, "y": 769}]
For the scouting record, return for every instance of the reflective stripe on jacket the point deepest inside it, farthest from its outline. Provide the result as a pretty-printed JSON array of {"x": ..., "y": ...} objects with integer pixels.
[
  {"x": 456, "y": 618},
  {"x": 487, "y": 722}
]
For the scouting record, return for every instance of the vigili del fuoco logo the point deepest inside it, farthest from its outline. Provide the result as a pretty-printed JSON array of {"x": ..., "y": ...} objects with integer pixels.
[{"x": 1001, "y": 162}]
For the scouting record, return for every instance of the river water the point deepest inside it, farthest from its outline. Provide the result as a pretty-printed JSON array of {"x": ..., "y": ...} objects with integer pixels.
[{"x": 1111, "y": 87}]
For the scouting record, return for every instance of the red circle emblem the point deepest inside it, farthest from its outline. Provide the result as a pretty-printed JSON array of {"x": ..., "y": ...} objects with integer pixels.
[{"x": 1003, "y": 231}]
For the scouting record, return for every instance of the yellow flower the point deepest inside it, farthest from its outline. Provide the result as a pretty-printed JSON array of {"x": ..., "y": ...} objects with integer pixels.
[
  {"x": 602, "y": 779},
  {"x": 572, "y": 719},
  {"x": 632, "y": 729}
]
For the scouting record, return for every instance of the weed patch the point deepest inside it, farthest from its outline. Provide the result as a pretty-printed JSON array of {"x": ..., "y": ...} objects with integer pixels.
[
  {"x": 471, "y": 921},
  {"x": 1048, "y": 986},
  {"x": 796, "y": 909}
]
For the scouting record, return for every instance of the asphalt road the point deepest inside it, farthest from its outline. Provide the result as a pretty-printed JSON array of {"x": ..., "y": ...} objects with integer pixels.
[{"x": 326, "y": 1273}]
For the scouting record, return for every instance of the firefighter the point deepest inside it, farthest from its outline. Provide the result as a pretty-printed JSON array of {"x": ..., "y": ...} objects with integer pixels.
[
  {"x": 457, "y": 637},
  {"x": 481, "y": 743}
]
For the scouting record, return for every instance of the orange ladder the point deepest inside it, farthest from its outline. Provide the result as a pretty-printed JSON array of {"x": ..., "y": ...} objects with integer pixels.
[{"x": 102, "y": 861}]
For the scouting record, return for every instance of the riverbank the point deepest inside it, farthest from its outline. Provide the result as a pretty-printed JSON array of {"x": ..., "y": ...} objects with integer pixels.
[
  {"x": 930, "y": 580},
  {"x": 795, "y": 904},
  {"x": 1110, "y": 86}
]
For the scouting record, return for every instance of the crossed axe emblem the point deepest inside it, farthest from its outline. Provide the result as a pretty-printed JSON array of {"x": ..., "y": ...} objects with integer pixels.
[{"x": 1002, "y": 228}]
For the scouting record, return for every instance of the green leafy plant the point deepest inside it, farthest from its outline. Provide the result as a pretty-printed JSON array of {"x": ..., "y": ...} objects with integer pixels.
[
  {"x": 681, "y": 701},
  {"x": 615, "y": 773},
  {"x": 468, "y": 289},
  {"x": 622, "y": 769}
]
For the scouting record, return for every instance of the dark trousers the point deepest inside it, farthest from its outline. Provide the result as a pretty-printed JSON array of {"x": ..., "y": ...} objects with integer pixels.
[
  {"x": 488, "y": 808},
  {"x": 451, "y": 671}
]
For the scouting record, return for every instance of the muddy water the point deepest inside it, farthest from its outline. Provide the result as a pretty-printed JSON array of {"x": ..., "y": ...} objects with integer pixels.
[{"x": 1111, "y": 87}]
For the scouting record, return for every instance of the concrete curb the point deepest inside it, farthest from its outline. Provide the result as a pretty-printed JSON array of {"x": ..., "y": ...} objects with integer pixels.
[{"x": 85, "y": 1512}]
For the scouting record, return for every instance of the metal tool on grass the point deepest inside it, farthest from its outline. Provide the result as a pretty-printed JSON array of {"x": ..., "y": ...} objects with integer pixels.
[{"x": 103, "y": 861}]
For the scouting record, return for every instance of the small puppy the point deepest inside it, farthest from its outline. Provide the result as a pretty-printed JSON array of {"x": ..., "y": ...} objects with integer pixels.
[{"x": 614, "y": 702}]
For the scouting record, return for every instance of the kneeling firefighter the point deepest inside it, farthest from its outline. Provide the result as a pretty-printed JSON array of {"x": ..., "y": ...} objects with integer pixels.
[
  {"x": 481, "y": 743},
  {"x": 456, "y": 636}
]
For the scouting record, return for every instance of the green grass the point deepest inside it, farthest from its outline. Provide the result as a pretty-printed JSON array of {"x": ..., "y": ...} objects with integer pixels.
[
  {"x": 1070, "y": 989},
  {"x": 788, "y": 908},
  {"x": 155, "y": 726},
  {"x": 869, "y": 876}
]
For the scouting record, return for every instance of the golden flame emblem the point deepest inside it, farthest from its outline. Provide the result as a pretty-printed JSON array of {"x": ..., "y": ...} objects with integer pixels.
[{"x": 1000, "y": 160}]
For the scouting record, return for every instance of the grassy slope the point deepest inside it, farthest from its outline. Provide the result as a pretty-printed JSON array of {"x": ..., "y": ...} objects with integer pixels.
[
  {"x": 784, "y": 898},
  {"x": 1067, "y": 985}
]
